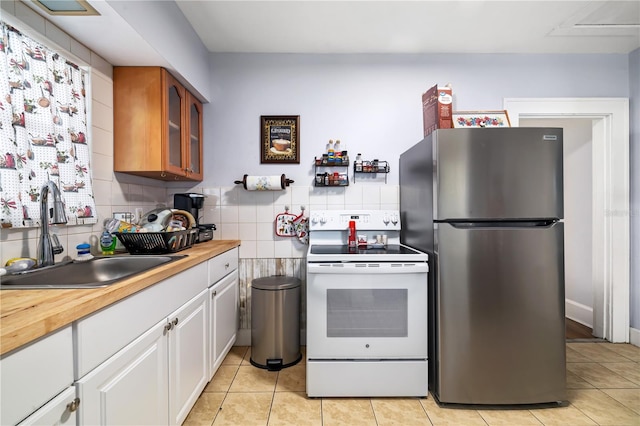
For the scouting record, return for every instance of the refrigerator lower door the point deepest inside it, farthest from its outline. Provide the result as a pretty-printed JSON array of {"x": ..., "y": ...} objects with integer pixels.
[{"x": 500, "y": 315}]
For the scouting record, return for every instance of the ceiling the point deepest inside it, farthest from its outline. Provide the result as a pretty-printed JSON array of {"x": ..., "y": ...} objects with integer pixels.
[{"x": 479, "y": 26}]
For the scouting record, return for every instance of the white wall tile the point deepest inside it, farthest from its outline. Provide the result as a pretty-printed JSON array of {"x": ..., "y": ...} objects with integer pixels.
[
  {"x": 102, "y": 192},
  {"x": 265, "y": 231},
  {"x": 389, "y": 194},
  {"x": 101, "y": 167},
  {"x": 30, "y": 17},
  {"x": 282, "y": 248},
  {"x": 300, "y": 195},
  {"x": 229, "y": 195},
  {"x": 228, "y": 214},
  {"x": 9, "y": 6},
  {"x": 247, "y": 231},
  {"x": 102, "y": 89},
  {"x": 265, "y": 249},
  {"x": 58, "y": 36},
  {"x": 101, "y": 142},
  {"x": 247, "y": 214},
  {"x": 228, "y": 231},
  {"x": 212, "y": 196},
  {"x": 264, "y": 214},
  {"x": 101, "y": 65},
  {"x": 119, "y": 193},
  {"x": 102, "y": 115},
  {"x": 248, "y": 250},
  {"x": 80, "y": 50}
]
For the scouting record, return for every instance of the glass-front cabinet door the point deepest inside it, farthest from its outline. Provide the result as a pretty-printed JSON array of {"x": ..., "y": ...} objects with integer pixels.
[
  {"x": 174, "y": 153},
  {"x": 194, "y": 140}
]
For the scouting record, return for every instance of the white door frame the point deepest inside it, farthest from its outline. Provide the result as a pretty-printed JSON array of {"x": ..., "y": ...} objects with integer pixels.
[{"x": 610, "y": 165}]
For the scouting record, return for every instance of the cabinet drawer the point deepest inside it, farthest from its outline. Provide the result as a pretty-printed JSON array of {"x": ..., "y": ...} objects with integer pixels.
[
  {"x": 34, "y": 374},
  {"x": 222, "y": 264},
  {"x": 105, "y": 332}
]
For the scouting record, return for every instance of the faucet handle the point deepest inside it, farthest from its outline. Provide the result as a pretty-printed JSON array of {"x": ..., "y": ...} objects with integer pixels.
[{"x": 56, "y": 246}]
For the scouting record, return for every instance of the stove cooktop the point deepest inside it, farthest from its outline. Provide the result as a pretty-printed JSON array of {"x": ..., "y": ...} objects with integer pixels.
[{"x": 391, "y": 249}]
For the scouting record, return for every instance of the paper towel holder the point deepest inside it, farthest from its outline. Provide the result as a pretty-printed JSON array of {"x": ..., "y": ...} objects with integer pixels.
[{"x": 284, "y": 181}]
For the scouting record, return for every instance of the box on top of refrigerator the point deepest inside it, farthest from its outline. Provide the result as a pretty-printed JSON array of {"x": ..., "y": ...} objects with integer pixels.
[{"x": 437, "y": 108}]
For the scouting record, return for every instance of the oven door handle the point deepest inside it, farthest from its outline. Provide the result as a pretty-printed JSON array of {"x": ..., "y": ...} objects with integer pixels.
[{"x": 368, "y": 268}]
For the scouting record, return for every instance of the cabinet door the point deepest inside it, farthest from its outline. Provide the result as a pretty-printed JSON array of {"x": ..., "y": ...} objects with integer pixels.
[
  {"x": 131, "y": 387},
  {"x": 223, "y": 319},
  {"x": 194, "y": 137},
  {"x": 174, "y": 153},
  {"x": 187, "y": 356},
  {"x": 60, "y": 411}
]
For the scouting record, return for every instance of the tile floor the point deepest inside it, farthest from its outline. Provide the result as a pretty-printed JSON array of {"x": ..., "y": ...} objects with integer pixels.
[{"x": 603, "y": 388}]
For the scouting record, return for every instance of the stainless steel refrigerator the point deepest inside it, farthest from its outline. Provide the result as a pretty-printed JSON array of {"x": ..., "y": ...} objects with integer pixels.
[{"x": 487, "y": 206}]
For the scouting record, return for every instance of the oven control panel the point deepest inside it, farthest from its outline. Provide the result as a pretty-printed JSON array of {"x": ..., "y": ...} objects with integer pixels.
[{"x": 338, "y": 220}]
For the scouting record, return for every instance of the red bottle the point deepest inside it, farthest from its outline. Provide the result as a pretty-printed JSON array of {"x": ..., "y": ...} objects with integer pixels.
[{"x": 352, "y": 233}]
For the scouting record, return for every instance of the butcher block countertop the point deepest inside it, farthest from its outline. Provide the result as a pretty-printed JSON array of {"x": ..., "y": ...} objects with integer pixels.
[{"x": 26, "y": 315}]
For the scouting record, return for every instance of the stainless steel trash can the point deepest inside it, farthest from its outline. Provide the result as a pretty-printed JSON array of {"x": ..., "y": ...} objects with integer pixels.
[{"x": 275, "y": 322}]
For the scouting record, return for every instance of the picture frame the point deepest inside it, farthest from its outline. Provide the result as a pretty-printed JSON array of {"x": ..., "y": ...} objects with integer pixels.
[
  {"x": 462, "y": 119},
  {"x": 280, "y": 139}
]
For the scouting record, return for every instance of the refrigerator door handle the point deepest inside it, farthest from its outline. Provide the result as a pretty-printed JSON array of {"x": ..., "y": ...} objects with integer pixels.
[{"x": 542, "y": 223}]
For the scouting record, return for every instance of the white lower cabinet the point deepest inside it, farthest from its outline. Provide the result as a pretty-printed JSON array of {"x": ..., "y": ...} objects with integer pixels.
[
  {"x": 223, "y": 319},
  {"x": 156, "y": 379},
  {"x": 60, "y": 411},
  {"x": 34, "y": 375}
]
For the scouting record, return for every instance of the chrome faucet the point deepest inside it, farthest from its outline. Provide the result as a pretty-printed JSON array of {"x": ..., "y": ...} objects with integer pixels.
[{"x": 49, "y": 244}]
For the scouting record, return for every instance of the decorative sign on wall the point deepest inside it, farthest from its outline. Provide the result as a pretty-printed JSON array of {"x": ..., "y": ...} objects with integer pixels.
[{"x": 43, "y": 132}]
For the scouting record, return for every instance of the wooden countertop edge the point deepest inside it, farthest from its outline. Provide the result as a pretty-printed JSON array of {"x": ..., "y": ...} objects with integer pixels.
[{"x": 27, "y": 315}]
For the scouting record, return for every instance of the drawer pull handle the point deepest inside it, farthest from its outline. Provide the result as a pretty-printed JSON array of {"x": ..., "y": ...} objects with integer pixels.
[
  {"x": 73, "y": 405},
  {"x": 168, "y": 327},
  {"x": 214, "y": 293},
  {"x": 175, "y": 321},
  {"x": 226, "y": 265}
]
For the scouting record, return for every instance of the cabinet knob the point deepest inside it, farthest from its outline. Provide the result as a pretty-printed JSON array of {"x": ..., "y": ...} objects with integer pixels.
[
  {"x": 175, "y": 321},
  {"x": 168, "y": 327},
  {"x": 73, "y": 405},
  {"x": 214, "y": 293},
  {"x": 226, "y": 265}
]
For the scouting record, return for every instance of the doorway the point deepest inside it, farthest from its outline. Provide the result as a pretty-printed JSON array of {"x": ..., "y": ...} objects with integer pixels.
[
  {"x": 608, "y": 263},
  {"x": 578, "y": 222}
]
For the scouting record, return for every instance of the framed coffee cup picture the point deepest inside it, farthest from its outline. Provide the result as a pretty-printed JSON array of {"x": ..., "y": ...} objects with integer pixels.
[{"x": 280, "y": 139}]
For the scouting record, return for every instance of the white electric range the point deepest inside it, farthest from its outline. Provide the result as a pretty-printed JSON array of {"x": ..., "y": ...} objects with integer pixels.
[{"x": 366, "y": 308}]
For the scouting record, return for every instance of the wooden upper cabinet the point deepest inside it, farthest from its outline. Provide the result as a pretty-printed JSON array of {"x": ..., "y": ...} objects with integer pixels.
[{"x": 157, "y": 125}]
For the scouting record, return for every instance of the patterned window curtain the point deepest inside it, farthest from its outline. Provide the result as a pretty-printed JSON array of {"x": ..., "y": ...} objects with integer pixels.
[{"x": 43, "y": 132}]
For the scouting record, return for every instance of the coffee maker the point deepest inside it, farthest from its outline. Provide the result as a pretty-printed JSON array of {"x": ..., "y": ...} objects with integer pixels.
[{"x": 193, "y": 202}]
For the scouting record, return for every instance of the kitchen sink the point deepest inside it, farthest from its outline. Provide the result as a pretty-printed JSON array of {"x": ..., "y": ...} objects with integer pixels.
[{"x": 97, "y": 272}]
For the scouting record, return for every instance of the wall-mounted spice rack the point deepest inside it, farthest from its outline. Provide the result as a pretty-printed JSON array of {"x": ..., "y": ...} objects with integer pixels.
[
  {"x": 370, "y": 167},
  {"x": 331, "y": 178}
]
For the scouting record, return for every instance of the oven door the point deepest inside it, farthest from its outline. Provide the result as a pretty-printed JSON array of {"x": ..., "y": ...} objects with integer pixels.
[{"x": 367, "y": 310}]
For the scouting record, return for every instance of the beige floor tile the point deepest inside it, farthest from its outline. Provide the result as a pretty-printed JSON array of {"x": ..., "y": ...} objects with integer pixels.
[
  {"x": 347, "y": 412},
  {"x": 600, "y": 376},
  {"x": 562, "y": 416},
  {"x": 399, "y": 411},
  {"x": 509, "y": 417},
  {"x": 235, "y": 355},
  {"x": 450, "y": 416},
  {"x": 292, "y": 379},
  {"x": 254, "y": 379},
  {"x": 597, "y": 352},
  {"x": 247, "y": 357},
  {"x": 630, "y": 398},
  {"x": 246, "y": 409},
  {"x": 576, "y": 382},
  {"x": 205, "y": 410},
  {"x": 625, "y": 349},
  {"x": 223, "y": 378},
  {"x": 575, "y": 356},
  {"x": 601, "y": 408},
  {"x": 295, "y": 409},
  {"x": 628, "y": 370}
]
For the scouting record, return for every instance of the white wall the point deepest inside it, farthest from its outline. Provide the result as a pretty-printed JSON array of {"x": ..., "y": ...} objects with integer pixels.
[
  {"x": 372, "y": 103},
  {"x": 579, "y": 292},
  {"x": 634, "y": 177}
]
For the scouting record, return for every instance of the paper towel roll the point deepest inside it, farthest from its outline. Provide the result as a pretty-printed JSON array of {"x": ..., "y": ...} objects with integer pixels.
[{"x": 264, "y": 183}]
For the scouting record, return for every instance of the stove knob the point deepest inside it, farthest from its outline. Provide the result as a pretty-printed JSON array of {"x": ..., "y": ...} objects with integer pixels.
[
  {"x": 323, "y": 219},
  {"x": 394, "y": 219},
  {"x": 314, "y": 219},
  {"x": 385, "y": 219}
]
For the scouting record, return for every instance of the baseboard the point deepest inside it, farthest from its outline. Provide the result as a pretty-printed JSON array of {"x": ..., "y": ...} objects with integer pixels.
[
  {"x": 634, "y": 336},
  {"x": 243, "y": 337},
  {"x": 579, "y": 313}
]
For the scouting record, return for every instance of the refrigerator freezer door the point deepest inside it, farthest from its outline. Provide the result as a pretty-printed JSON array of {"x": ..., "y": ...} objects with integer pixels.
[
  {"x": 500, "y": 301},
  {"x": 511, "y": 173}
]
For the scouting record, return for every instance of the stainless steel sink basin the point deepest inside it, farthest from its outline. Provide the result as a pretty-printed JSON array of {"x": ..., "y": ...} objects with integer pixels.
[{"x": 97, "y": 272}]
